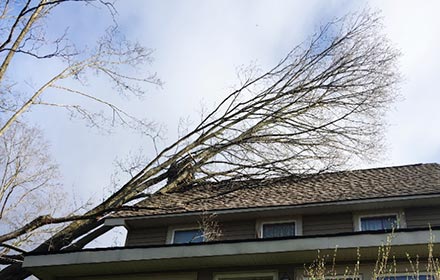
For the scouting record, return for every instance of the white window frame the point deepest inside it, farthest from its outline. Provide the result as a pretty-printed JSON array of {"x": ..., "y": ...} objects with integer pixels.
[
  {"x": 239, "y": 275},
  {"x": 400, "y": 216},
  {"x": 296, "y": 220},
  {"x": 172, "y": 231}
]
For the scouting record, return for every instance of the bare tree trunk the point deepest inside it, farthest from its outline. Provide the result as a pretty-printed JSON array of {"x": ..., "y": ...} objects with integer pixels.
[
  {"x": 112, "y": 56},
  {"x": 30, "y": 102},
  {"x": 24, "y": 31}
]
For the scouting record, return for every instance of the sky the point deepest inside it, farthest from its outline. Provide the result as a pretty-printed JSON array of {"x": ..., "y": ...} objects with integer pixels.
[{"x": 198, "y": 47}]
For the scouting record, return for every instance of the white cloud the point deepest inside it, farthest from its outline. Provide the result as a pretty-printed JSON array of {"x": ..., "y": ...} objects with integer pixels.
[
  {"x": 414, "y": 135},
  {"x": 199, "y": 45}
]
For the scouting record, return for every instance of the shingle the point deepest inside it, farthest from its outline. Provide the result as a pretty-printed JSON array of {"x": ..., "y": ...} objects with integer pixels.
[{"x": 383, "y": 182}]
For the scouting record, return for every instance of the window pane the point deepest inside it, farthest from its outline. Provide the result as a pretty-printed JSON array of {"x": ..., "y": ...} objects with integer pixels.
[
  {"x": 278, "y": 230},
  {"x": 378, "y": 223},
  {"x": 342, "y": 277},
  {"x": 408, "y": 277},
  {"x": 188, "y": 236}
]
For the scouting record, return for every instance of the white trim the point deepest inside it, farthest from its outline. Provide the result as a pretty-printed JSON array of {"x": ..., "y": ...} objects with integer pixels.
[
  {"x": 239, "y": 275},
  {"x": 296, "y": 220},
  {"x": 399, "y": 213},
  {"x": 172, "y": 230}
]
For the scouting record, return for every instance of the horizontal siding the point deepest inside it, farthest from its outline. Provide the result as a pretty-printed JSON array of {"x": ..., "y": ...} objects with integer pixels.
[
  {"x": 158, "y": 235},
  {"x": 238, "y": 230},
  {"x": 327, "y": 224},
  {"x": 422, "y": 216},
  {"x": 146, "y": 236},
  {"x": 317, "y": 224}
]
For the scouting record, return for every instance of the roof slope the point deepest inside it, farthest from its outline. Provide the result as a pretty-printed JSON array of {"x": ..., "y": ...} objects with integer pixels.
[{"x": 395, "y": 181}]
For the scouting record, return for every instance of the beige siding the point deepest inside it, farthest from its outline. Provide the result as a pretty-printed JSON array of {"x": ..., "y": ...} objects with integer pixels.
[
  {"x": 311, "y": 225},
  {"x": 238, "y": 230},
  {"x": 421, "y": 217},
  {"x": 281, "y": 270},
  {"x": 366, "y": 271},
  {"x": 158, "y": 235},
  {"x": 327, "y": 224},
  {"x": 147, "y": 236}
]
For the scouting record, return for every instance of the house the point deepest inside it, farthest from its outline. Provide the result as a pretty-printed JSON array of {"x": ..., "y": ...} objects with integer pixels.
[{"x": 269, "y": 229}]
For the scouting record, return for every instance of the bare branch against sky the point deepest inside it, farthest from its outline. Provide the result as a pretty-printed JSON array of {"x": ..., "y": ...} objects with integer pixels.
[
  {"x": 29, "y": 180},
  {"x": 315, "y": 109},
  {"x": 306, "y": 109}
]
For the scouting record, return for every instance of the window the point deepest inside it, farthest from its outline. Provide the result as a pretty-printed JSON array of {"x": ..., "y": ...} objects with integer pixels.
[
  {"x": 408, "y": 277},
  {"x": 344, "y": 277},
  {"x": 278, "y": 229},
  {"x": 182, "y": 236},
  {"x": 338, "y": 277},
  {"x": 378, "y": 222}
]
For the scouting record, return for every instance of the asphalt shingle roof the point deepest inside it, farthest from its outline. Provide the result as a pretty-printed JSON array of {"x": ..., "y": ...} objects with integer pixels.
[{"x": 418, "y": 179}]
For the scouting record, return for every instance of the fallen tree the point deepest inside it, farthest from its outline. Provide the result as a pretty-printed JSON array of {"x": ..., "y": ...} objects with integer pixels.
[{"x": 319, "y": 109}]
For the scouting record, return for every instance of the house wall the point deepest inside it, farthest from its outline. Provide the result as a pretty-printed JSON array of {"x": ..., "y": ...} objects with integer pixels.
[
  {"x": 238, "y": 230},
  {"x": 279, "y": 270},
  {"x": 422, "y": 216},
  {"x": 317, "y": 224},
  {"x": 365, "y": 271},
  {"x": 244, "y": 229},
  {"x": 147, "y": 236},
  {"x": 285, "y": 271},
  {"x": 327, "y": 224}
]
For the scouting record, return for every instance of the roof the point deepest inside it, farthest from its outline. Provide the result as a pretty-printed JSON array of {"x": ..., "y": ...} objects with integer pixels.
[{"x": 408, "y": 180}]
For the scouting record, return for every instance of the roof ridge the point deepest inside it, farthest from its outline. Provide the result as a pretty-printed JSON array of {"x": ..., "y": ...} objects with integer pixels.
[{"x": 394, "y": 166}]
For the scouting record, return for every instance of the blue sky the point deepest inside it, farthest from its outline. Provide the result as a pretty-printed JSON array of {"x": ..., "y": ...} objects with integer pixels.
[{"x": 198, "y": 47}]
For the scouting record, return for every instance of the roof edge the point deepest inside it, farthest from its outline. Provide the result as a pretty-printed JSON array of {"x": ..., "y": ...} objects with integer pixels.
[{"x": 120, "y": 221}]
